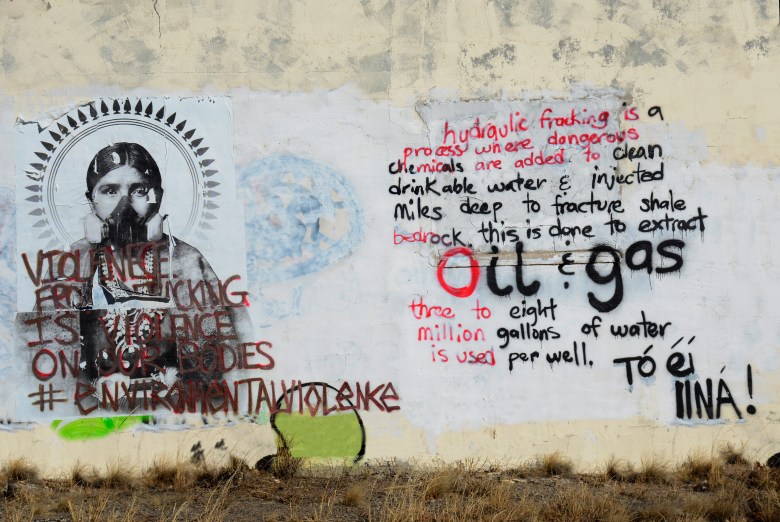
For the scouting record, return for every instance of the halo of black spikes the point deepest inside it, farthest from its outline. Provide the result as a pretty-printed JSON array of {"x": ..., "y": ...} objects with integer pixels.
[{"x": 55, "y": 134}]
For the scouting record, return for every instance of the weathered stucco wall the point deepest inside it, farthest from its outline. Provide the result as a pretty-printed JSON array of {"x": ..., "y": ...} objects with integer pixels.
[{"x": 313, "y": 115}]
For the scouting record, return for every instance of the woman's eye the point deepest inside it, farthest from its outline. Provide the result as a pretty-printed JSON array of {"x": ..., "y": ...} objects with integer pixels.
[{"x": 140, "y": 192}]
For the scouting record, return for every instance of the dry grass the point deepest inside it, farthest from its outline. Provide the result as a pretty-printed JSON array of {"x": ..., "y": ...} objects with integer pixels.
[
  {"x": 78, "y": 475},
  {"x": 284, "y": 465},
  {"x": 442, "y": 482},
  {"x": 20, "y": 469},
  {"x": 236, "y": 468},
  {"x": 165, "y": 474},
  {"x": 733, "y": 454},
  {"x": 492, "y": 507},
  {"x": 173, "y": 513},
  {"x": 131, "y": 512},
  {"x": 554, "y": 464},
  {"x": 27, "y": 499},
  {"x": 357, "y": 495},
  {"x": 652, "y": 470},
  {"x": 547, "y": 489},
  {"x": 703, "y": 469},
  {"x": 498, "y": 504},
  {"x": 615, "y": 469},
  {"x": 324, "y": 511},
  {"x": 727, "y": 504},
  {"x": 90, "y": 510},
  {"x": 761, "y": 477},
  {"x": 232, "y": 472},
  {"x": 401, "y": 503},
  {"x": 767, "y": 507},
  {"x": 549, "y": 465},
  {"x": 460, "y": 478},
  {"x": 216, "y": 505},
  {"x": 17, "y": 513},
  {"x": 581, "y": 503},
  {"x": 30, "y": 500},
  {"x": 116, "y": 475},
  {"x": 662, "y": 508}
]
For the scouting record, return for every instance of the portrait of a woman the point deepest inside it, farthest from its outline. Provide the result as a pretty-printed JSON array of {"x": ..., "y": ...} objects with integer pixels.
[{"x": 153, "y": 313}]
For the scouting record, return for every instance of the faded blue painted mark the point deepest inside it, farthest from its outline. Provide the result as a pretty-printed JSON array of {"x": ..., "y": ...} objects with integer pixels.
[
  {"x": 7, "y": 279},
  {"x": 275, "y": 308},
  {"x": 301, "y": 217},
  {"x": 8, "y": 227}
]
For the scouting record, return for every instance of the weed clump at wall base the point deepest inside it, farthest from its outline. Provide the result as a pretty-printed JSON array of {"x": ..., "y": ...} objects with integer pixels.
[
  {"x": 733, "y": 454},
  {"x": 549, "y": 465},
  {"x": 78, "y": 475},
  {"x": 651, "y": 471},
  {"x": 284, "y": 465},
  {"x": 20, "y": 469},
  {"x": 702, "y": 470},
  {"x": 555, "y": 464},
  {"x": 615, "y": 469},
  {"x": 116, "y": 476},
  {"x": 169, "y": 475}
]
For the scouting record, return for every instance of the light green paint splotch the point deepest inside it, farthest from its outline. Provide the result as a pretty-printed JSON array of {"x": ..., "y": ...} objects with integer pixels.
[
  {"x": 97, "y": 427},
  {"x": 328, "y": 436}
]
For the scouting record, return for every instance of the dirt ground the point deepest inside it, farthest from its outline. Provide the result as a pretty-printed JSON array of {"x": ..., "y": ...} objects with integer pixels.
[{"x": 728, "y": 488}]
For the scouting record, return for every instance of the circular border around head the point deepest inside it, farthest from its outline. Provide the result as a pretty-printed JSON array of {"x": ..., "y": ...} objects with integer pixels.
[{"x": 59, "y": 138}]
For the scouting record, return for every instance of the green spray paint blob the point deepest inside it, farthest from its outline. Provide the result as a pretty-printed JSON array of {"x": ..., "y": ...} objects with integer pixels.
[
  {"x": 326, "y": 432},
  {"x": 96, "y": 427}
]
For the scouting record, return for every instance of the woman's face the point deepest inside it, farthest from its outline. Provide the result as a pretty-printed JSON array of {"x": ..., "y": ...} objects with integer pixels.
[{"x": 122, "y": 181}]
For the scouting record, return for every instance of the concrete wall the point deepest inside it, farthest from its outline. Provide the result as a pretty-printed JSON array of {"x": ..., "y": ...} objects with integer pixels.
[{"x": 582, "y": 259}]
